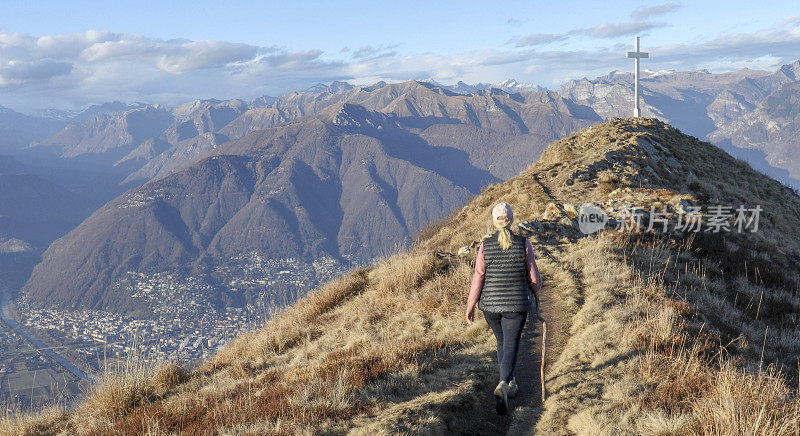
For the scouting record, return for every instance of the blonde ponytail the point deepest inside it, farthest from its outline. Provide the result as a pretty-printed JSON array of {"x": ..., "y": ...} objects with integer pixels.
[{"x": 502, "y": 223}]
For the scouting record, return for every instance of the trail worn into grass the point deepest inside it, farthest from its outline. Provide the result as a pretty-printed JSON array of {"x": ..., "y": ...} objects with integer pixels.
[
  {"x": 459, "y": 398},
  {"x": 559, "y": 300}
]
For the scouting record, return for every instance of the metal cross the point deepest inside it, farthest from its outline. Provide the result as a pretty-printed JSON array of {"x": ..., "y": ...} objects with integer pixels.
[{"x": 636, "y": 55}]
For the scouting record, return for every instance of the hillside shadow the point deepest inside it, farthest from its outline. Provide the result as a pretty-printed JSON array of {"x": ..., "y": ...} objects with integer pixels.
[
  {"x": 528, "y": 361},
  {"x": 91, "y": 176},
  {"x": 448, "y": 162},
  {"x": 16, "y": 268},
  {"x": 322, "y": 201},
  {"x": 758, "y": 161},
  {"x": 689, "y": 113},
  {"x": 523, "y": 129},
  {"x": 425, "y": 122},
  {"x": 582, "y": 112},
  {"x": 468, "y": 411},
  {"x": 389, "y": 193}
]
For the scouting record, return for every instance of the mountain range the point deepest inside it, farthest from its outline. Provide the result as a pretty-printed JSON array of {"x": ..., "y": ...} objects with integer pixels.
[
  {"x": 324, "y": 171},
  {"x": 508, "y": 85},
  {"x": 746, "y": 112},
  {"x": 345, "y": 181},
  {"x": 18, "y": 130},
  {"x": 33, "y": 212}
]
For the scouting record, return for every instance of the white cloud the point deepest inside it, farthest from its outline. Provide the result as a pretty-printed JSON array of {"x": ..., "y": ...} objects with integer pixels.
[
  {"x": 17, "y": 72},
  {"x": 614, "y": 30},
  {"x": 601, "y": 31},
  {"x": 111, "y": 49},
  {"x": 539, "y": 38},
  {"x": 370, "y": 52},
  {"x": 70, "y": 45},
  {"x": 551, "y": 67},
  {"x": 791, "y": 21},
  {"x": 74, "y": 70},
  {"x": 197, "y": 55},
  {"x": 644, "y": 12},
  {"x": 780, "y": 45},
  {"x": 293, "y": 60},
  {"x": 174, "y": 56}
]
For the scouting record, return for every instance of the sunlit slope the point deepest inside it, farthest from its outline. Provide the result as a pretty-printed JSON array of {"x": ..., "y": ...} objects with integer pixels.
[{"x": 649, "y": 332}]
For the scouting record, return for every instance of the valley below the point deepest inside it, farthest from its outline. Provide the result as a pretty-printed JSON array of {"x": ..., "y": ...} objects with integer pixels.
[{"x": 25, "y": 358}]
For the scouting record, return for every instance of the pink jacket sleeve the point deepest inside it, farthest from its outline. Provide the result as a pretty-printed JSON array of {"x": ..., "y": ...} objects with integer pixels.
[
  {"x": 534, "y": 278},
  {"x": 477, "y": 279}
]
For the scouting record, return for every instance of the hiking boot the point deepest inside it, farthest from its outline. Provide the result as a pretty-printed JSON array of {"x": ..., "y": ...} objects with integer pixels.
[
  {"x": 513, "y": 388},
  {"x": 501, "y": 398}
]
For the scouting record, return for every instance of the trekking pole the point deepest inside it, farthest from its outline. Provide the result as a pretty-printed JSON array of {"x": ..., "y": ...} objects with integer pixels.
[{"x": 544, "y": 344}]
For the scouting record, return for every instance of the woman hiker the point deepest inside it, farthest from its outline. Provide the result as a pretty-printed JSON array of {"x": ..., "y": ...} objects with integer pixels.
[{"x": 505, "y": 279}]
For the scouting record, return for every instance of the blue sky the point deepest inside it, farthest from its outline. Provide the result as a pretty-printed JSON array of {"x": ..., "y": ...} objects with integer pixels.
[{"x": 70, "y": 54}]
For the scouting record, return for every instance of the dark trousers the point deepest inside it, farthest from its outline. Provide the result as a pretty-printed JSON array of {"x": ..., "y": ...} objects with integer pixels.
[{"x": 507, "y": 328}]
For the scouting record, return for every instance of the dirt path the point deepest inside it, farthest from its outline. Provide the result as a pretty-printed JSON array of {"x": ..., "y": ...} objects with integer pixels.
[
  {"x": 558, "y": 278},
  {"x": 527, "y": 370}
]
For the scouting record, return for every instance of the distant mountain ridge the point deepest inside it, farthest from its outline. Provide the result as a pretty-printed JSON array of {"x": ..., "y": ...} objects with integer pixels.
[
  {"x": 223, "y": 178},
  {"x": 35, "y": 210},
  {"x": 352, "y": 179},
  {"x": 145, "y": 142},
  {"x": 508, "y": 85},
  {"x": 701, "y": 103},
  {"x": 18, "y": 130},
  {"x": 33, "y": 213},
  {"x": 771, "y": 127},
  {"x": 727, "y": 108}
]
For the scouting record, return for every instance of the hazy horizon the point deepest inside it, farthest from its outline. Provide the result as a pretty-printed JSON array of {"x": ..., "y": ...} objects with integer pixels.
[
  {"x": 72, "y": 56},
  {"x": 364, "y": 83}
]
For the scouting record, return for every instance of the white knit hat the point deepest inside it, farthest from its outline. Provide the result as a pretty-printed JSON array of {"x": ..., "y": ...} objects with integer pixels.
[{"x": 502, "y": 209}]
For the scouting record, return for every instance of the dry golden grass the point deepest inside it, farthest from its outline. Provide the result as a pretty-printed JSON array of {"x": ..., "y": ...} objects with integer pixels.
[
  {"x": 638, "y": 363},
  {"x": 48, "y": 421},
  {"x": 647, "y": 342},
  {"x": 390, "y": 332},
  {"x": 166, "y": 377},
  {"x": 114, "y": 397},
  {"x": 655, "y": 335},
  {"x": 747, "y": 403}
]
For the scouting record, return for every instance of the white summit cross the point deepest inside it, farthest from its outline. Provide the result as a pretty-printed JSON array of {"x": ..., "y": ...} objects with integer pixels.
[{"x": 636, "y": 55}]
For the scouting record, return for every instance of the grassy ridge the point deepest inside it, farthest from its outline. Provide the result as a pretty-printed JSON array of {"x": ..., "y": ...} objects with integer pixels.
[{"x": 655, "y": 333}]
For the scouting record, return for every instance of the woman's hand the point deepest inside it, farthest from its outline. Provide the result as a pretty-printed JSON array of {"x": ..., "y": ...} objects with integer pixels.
[{"x": 470, "y": 315}]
